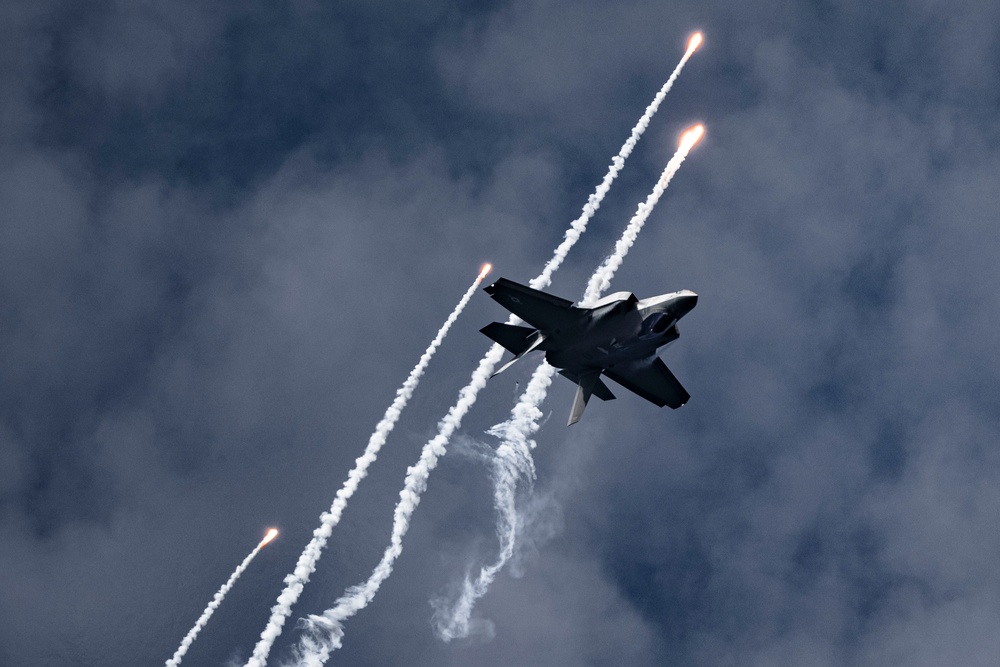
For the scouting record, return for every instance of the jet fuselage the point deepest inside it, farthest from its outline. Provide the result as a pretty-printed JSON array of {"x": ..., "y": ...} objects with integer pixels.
[
  {"x": 621, "y": 331},
  {"x": 617, "y": 336}
]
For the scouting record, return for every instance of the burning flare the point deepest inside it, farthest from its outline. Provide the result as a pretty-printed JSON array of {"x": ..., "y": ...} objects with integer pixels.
[
  {"x": 217, "y": 600},
  {"x": 694, "y": 42},
  {"x": 691, "y": 137},
  {"x": 324, "y": 634},
  {"x": 487, "y": 267}
]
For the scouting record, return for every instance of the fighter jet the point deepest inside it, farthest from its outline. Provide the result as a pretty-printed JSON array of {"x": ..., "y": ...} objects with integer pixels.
[{"x": 617, "y": 337}]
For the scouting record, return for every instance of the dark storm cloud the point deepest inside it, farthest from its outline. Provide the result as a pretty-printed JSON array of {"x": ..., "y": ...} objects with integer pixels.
[
  {"x": 229, "y": 230},
  {"x": 222, "y": 93},
  {"x": 821, "y": 212}
]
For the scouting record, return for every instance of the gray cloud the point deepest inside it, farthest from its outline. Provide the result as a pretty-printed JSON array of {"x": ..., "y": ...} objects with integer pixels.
[{"x": 228, "y": 232}]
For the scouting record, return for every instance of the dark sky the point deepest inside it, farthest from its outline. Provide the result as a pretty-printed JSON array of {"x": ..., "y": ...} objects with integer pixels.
[{"x": 228, "y": 230}]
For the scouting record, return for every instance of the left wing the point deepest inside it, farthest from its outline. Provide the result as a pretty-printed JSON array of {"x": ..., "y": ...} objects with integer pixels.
[{"x": 651, "y": 379}]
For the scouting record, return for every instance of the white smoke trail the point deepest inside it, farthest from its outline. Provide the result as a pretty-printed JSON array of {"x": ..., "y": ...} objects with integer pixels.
[
  {"x": 324, "y": 634},
  {"x": 511, "y": 463},
  {"x": 306, "y": 565},
  {"x": 513, "y": 459},
  {"x": 544, "y": 279},
  {"x": 216, "y": 601},
  {"x": 601, "y": 279}
]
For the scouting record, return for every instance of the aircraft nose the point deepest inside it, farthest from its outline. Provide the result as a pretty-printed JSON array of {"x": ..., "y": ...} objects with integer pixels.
[{"x": 685, "y": 303}]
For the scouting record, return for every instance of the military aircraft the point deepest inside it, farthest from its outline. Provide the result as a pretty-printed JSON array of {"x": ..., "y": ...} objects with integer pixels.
[{"x": 617, "y": 337}]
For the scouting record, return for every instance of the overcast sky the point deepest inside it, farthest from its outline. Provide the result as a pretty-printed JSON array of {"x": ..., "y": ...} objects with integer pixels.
[{"x": 228, "y": 231}]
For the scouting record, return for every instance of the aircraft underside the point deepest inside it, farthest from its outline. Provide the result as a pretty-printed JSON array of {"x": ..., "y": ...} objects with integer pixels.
[{"x": 617, "y": 338}]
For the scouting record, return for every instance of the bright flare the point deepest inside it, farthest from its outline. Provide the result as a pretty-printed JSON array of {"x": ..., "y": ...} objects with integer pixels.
[
  {"x": 694, "y": 42},
  {"x": 216, "y": 601},
  {"x": 691, "y": 137},
  {"x": 513, "y": 460},
  {"x": 271, "y": 534},
  {"x": 487, "y": 267},
  {"x": 324, "y": 634}
]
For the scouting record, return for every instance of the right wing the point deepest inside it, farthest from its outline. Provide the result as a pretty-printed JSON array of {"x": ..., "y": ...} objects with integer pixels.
[
  {"x": 540, "y": 310},
  {"x": 652, "y": 380}
]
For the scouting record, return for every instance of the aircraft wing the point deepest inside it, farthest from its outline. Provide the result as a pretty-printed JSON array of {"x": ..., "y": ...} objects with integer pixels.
[
  {"x": 540, "y": 310},
  {"x": 651, "y": 379}
]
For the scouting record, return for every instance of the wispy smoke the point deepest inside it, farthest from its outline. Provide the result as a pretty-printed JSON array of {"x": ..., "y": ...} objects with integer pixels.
[
  {"x": 544, "y": 279},
  {"x": 216, "y": 601},
  {"x": 324, "y": 634},
  {"x": 511, "y": 463},
  {"x": 306, "y": 565},
  {"x": 513, "y": 460}
]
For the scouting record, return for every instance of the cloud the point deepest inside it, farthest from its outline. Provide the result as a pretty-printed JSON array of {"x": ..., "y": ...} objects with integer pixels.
[{"x": 221, "y": 237}]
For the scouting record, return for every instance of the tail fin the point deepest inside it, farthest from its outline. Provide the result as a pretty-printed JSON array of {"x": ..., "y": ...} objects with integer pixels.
[
  {"x": 584, "y": 389},
  {"x": 600, "y": 389}
]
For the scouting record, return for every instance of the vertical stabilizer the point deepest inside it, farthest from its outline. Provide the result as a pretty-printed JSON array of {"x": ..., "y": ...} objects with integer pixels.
[{"x": 584, "y": 389}]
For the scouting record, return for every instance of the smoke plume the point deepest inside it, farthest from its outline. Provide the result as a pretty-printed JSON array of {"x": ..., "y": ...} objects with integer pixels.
[
  {"x": 306, "y": 565},
  {"x": 513, "y": 460},
  {"x": 324, "y": 633},
  {"x": 216, "y": 601}
]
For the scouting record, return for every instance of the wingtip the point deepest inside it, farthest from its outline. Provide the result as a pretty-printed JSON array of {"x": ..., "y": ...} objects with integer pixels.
[{"x": 492, "y": 287}]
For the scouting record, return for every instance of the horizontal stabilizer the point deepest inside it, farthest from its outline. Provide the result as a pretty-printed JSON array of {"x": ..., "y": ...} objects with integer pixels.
[
  {"x": 513, "y": 338},
  {"x": 652, "y": 380},
  {"x": 602, "y": 392},
  {"x": 536, "y": 341}
]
